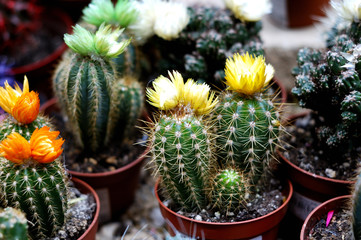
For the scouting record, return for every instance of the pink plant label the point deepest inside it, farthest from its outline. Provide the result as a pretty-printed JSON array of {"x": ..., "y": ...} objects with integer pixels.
[{"x": 329, "y": 217}]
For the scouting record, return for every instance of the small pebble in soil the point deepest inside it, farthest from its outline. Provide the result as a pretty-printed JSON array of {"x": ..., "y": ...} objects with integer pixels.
[{"x": 330, "y": 173}]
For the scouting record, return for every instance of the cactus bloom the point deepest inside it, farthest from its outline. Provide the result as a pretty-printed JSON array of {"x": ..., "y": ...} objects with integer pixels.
[
  {"x": 247, "y": 74},
  {"x": 250, "y": 11},
  {"x": 349, "y": 10},
  {"x": 21, "y": 104},
  {"x": 15, "y": 148},
  {"x": 172, "y": 93},
  {"x": 45, "y": 148}
]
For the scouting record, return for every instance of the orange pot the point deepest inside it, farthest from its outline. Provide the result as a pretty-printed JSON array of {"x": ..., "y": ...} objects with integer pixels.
[{"x": 265, "y": 227}]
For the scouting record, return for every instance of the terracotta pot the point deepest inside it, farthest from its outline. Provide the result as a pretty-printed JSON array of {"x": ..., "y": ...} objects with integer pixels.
[
  {"x": 297, "y": 13},
  {"x": 116, "y": 189},
  {"x": 83, "y": 187},
  {"x": 282, "y": 90},
  {"x": 321, "y": 211},
  {"x": 310, "y": 189},
  {"x": 265, "y": 227}
]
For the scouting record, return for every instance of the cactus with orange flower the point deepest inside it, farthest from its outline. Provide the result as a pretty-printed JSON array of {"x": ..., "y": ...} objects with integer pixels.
[
  {"x": 90, "y": 92},
  {"x": 247, "y": 121},
  {"x": 22, "y": 107},
  {"x": 33, "y": 180},
  {"x": 181, "y": 140}
]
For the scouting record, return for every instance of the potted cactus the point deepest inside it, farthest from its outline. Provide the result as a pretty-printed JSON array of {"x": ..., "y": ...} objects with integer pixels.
[
  {"x": 100, "y": 108},
  {"x": 345, "y": 210},
  {"x": 196, "y": 142},
  {"x": 327, "y": 82},
  {"x": 32, "y": 172},
  {"x": 197, "y": 40}
]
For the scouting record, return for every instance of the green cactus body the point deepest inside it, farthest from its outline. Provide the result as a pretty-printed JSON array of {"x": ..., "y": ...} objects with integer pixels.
[
  {"x": 10, "y": 125},
  {"x": 181, "y": 150},
  {"x": 229, "y": 190},
  {"x": 83, "y": 87},
  {"x": 248, "y": 130},
  {"x": 13, "y": 225},
  {"x": 39, "y": 190}
]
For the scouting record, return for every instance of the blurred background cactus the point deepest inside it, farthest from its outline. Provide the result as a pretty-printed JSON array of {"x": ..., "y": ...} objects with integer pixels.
[
  {"x": 90, "y": 90},
  {"x": 327, "y": 81},
  {"x": 13, "y": 224}
]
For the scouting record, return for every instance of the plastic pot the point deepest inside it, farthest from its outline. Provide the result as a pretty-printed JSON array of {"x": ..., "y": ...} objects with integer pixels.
[
  {"x": 83, "y": 187},
  {"x": 321, "y": 211},
  {"x": 265, "y": 227},
  {"x": 310, "y": 189}
]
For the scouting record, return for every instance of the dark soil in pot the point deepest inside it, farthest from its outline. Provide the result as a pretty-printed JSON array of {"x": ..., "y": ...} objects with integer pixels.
[
  {"x": 339, "y": 227},
  {"x": 112, "y": 157},
  {"x": 301, "y": 148},
  {"x": 267, "y": 199},
  {"x": 81, "y": 214}
]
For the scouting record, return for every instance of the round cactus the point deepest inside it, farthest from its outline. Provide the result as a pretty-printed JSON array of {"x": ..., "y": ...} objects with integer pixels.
[{"x": 13, "y": 224}]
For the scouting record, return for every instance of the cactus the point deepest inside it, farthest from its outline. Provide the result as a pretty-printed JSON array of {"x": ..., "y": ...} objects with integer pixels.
[
  {"x": 121, "y": 15},
  {"x": 84, "y": 84},
  {"x": 180, "y": 139},
  {"x": 230, "y": 190},
  {"x": 247, "y": 121},
  {"x": 203, "y": 46},
  {"x": 328, "y": 83},
  {"x": 34, "y": 180},
  {"x": 13, "y": 224}
]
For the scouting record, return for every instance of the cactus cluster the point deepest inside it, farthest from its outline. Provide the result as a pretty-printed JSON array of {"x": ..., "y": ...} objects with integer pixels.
[
  {"x": 210, "y": 151},
  {"x": 32, "y": 175},
  {"x": 90, "y": 90},
  {"x": 327, "y": 81},
  {"x": 13, "y": 224},
  {"x": 211, "y": 36}
]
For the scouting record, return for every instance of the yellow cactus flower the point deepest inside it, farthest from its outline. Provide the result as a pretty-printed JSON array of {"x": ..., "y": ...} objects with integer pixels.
[
  {"x": 45, "y": 148},
  {"x": 15, "y": 148},
  {"x": 197, "y": 96},
  {"x": 167, "y": 92},
  {"x": 21, "y": 104},
  {"x": 247, "y": 74}
]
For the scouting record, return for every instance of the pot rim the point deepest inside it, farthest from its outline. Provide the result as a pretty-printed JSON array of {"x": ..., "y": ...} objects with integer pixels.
[
  {"x": 97, "y": 211},
  {"x": 284, "y": 204},
  {"x": 314, "y": 211},
  {"x": 64, "y": 18}
]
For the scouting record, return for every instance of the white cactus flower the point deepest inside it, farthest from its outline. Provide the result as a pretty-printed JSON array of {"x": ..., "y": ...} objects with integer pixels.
[
  {"x": 347, "y": 9},
  {"x": 250, "y": 11}
]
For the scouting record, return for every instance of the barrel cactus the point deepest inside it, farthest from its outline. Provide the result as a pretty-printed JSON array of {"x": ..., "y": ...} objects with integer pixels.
[
  {"x": 13, "y": 224},
  {"x": 34, "y": 180},
  {"x": 327, "y": 81},
  {"x": 89, "y": 90},
  {"x": 247, "y": 121},
  {"x": 181, "y": 140},
  {"x": 22, "y": 107}
]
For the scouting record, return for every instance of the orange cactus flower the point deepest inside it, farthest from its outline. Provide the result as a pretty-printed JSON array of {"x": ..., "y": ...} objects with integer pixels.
[
  {"x": 21, "y": 104},
  {"x": 15, "y": 148},
  {"x": 45, "y": 148}
]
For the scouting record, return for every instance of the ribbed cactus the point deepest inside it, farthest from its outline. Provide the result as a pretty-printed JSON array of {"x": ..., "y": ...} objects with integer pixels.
[
  {"x": 247, "y": 121},
  {"x": 180, "y": 140},
  {"x": 210, "y": 37},
  {"x": 89, "y": 90},
  {"x": 230, "y": 190},
  {"x": 32, "y": 181},
  {"x": 122, "y": 14},
  {"x": 13, "y": 225}
]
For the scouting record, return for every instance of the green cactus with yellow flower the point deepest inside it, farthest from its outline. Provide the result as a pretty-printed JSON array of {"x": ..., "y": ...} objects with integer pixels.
[
  {"x": 247, "y": 120},
  {"x": 32, "y": 175}
]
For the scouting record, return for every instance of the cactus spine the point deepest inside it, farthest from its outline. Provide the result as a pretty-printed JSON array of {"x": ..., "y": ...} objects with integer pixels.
[
  {"x": 247, "y": 120},
  {"x": 13, "y": 224},
  {"x": 83, "y": 84},
  {"x": 181, "y": 141}
]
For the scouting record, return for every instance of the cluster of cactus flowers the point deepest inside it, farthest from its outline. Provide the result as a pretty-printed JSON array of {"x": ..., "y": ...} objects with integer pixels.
[
  {"x": 32, "y": 175},
  {"x": 208, "y": 150},
  {"x": 100, "y": 102},
  {"x": 327, "y": 81}
]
